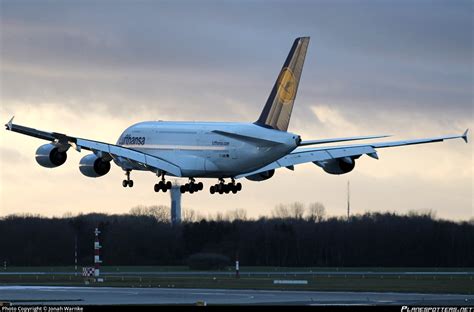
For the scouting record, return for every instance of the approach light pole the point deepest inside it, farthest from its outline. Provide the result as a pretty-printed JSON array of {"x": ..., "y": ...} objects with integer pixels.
[{"x": 97, "y": 248}]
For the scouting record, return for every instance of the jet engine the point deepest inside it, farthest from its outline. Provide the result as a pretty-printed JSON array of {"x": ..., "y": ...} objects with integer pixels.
[
  {"x": 262, "y": 175},
  {"x": 49, "y": 156},
  {"x": 337, "y": 166},
  {"x": 93, "y": 167}
]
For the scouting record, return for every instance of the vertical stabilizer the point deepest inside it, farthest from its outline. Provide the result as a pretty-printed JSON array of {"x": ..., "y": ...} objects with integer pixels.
[{"x": 277, "y": 111}]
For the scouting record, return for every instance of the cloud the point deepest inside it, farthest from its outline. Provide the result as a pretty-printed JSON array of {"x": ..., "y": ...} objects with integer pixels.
[{"x": 93, "y": 68}]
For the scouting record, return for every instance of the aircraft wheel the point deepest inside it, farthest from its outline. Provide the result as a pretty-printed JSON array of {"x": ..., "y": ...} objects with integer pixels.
[
  {"x": 200, "y": 186},
  {"x": 234, "y": 190},
  {"x": 124, "y": 183},
  {"x": 182, "y": 189},
  {"x": 212, "y": 190},
  {"x": 168, "y": 185},
  {"x": 130, "y": 183},
  {"x": 157, "y": 188},
  {"x": 238, "y": 186}
]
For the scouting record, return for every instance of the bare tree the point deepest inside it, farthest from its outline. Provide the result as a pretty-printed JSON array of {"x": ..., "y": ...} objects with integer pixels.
[
  {"x": 297, "y": 210},
  {"x": 281, "y": 211},
  {"x": 137, "y": 210},
  {"x": 237, "y": 214},
  {"x": 316, "y": 212},
  {"x": 160, "y": 213},
  {"x": 190, "y": 215}
]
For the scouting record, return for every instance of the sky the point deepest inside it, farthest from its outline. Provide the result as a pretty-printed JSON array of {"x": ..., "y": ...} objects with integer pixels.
[{"x": 92, "y": 68}]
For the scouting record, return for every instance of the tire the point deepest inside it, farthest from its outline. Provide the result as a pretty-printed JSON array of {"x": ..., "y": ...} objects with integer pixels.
[
  {"x": 168, "y": 185},
  {"x": 130, "y": 183},
  {"x": 234, "y": 190},
  {"x": 157, "y": 188},
  {"x": 200, "y": 186},
  {"x": 182, "y": 189},
  {"x": 212, "y": 190},
  {"x": 124, "y": 183},
  {"x": 238, "y": 186}
]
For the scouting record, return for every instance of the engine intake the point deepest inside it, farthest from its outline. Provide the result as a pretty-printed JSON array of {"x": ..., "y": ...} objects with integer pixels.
[
  {"x": 93, "y": 167},
  {"x": 262, "y": 175},
  {"x": 337, "y": 166},
  {"x": 49, "y": 156}
]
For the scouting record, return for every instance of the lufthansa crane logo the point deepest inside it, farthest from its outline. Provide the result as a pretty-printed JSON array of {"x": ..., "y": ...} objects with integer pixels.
[{"x": 286, "y": 86}]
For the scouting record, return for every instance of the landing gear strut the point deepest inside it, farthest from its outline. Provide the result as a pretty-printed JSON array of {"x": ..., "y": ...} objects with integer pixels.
[
  {"x": 163, "y": 185},
  {"x": 191, "y": 187},
  {"x": 222, "y": 187},
  {"x": 127, "y": 182}
]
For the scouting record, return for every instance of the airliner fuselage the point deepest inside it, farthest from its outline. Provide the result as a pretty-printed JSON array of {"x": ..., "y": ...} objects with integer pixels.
[{"x": 207, "y": 149}]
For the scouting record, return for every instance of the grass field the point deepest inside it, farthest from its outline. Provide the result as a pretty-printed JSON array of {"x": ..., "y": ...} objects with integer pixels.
[{"x": 143, "y": 276}]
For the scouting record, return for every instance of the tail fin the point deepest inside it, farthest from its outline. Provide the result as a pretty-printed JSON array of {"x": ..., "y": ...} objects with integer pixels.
[{"x": 277, "y": 111}]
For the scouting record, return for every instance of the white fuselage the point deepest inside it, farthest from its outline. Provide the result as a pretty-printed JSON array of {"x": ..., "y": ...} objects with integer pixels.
[{"x": 207, "y": 149}]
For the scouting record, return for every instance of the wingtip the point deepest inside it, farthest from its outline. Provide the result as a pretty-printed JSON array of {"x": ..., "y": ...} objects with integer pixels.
[
  {"x": 9, "y": 124},
  {"x": 464, "y": 136}
]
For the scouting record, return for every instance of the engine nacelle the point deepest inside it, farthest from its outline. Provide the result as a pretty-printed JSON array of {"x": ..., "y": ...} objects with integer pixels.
[
  {"x": 337, "y": 166},
  {"x": 93, "y": 167},
  {"x": 262, "y": 175},
  {"x": 49, "y": 156}
]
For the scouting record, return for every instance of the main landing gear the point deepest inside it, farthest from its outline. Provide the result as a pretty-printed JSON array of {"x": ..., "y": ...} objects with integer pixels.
[
  {"x": 191, "y": 187},
  {"x": 222, "y": 187},
  {"x": 163, "y": 185},
  {"x": 127, "y": 182}
]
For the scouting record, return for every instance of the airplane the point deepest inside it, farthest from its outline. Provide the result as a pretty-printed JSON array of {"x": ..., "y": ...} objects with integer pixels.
[{"x": 220, "y": 150}]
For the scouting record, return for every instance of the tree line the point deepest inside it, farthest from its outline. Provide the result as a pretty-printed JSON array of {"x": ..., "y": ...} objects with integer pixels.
[{"x": 292, "y": 236}]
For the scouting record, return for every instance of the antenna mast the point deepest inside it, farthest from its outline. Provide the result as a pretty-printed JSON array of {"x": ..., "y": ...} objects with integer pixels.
[{"x": 348, "y": 200}]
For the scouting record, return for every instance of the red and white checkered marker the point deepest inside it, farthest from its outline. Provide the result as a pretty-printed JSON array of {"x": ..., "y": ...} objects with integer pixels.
[{"x": 87, "y": 271}]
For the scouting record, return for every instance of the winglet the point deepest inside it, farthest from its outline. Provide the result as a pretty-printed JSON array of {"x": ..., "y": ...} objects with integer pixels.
[
  {"x": 464, "y": 135},
  {"x": 9, "y": 125}
]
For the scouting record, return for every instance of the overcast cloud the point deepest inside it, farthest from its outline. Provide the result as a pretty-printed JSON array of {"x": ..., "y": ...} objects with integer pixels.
[{"x": 403, "y": 68}]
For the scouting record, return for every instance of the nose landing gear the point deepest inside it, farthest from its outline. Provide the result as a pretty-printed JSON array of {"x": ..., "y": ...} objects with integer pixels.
[
  {"x": 222, "y": 187},
  {"x": 127, "y": 182}
]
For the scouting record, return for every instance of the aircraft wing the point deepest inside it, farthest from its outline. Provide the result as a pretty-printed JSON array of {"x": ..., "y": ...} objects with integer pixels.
[
  {"x": 305, "y": 155},
  {"x": 104, "y": 149},
  {"x": 334, "y": 140}
]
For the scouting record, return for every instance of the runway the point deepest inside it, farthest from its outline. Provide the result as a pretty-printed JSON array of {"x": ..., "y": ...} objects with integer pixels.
[
  {"x": 52, "y": 295},
  {"x": 256, "y": 273}
]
